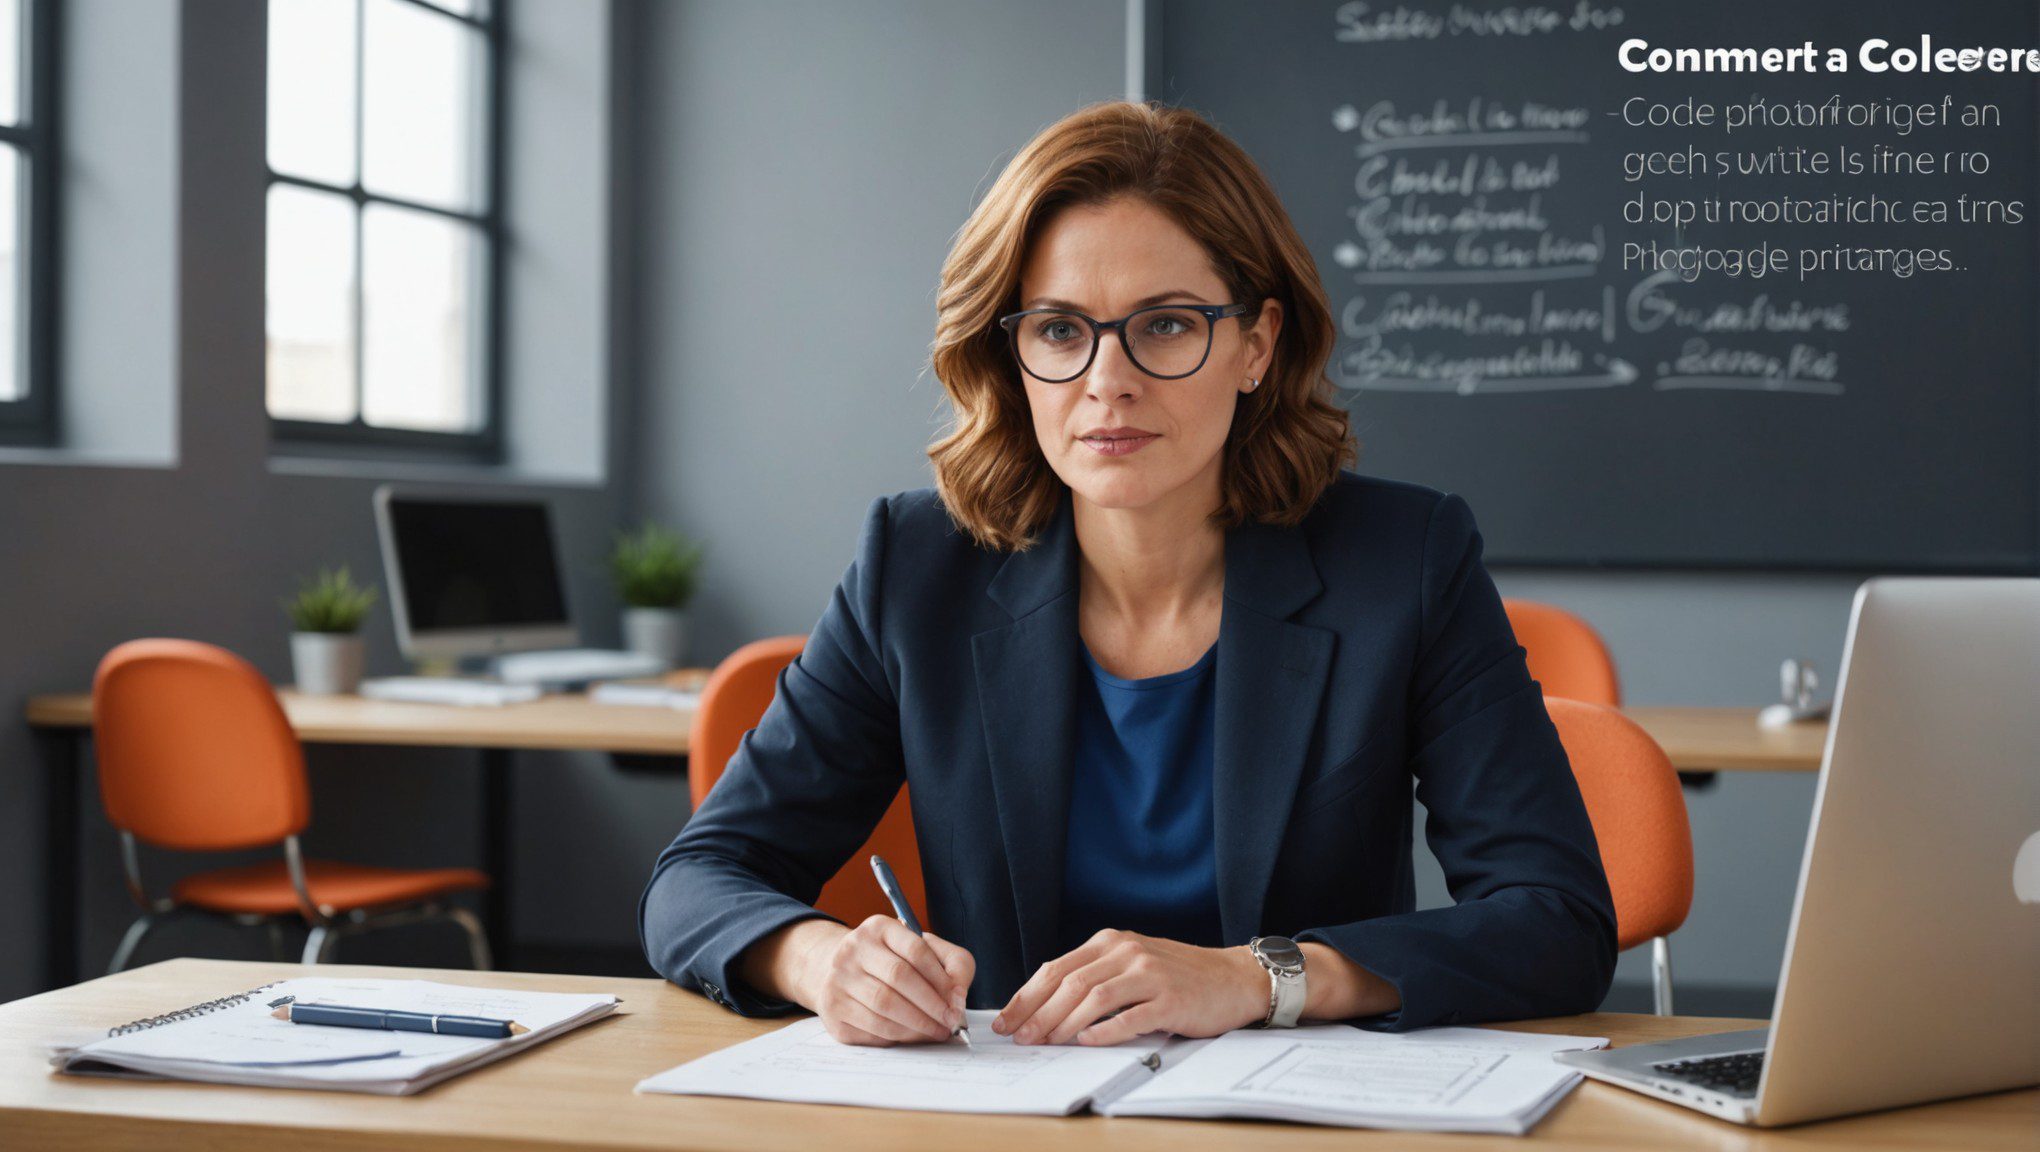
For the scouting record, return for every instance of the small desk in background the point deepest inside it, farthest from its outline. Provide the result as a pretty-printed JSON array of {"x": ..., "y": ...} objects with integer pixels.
[
  {"x": 1696, "y": 739},
  {"x": 575, "y": 1092},
  {"x": 564, "y": 723},
  {"x": 1729, "y": 740}
]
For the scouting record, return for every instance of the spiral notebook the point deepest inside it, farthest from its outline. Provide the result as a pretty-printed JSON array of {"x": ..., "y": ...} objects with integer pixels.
[{"x": 235, "y": 1040}]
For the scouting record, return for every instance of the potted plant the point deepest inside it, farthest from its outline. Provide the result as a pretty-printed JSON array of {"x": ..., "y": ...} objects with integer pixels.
[
  {"x": 654, "y": 569},
  {"x": 325, "y": 649}
]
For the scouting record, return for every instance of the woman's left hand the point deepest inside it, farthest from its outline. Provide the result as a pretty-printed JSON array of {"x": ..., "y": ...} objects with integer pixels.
[{"x": 1153, "y": 984}]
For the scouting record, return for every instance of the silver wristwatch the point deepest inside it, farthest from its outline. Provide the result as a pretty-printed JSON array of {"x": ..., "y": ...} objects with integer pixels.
[{"x": 1284, "y": 962}]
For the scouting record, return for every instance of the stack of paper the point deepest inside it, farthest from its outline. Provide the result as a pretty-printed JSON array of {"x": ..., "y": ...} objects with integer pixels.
[
  {"x": 1443, "y": 1079},
  {"x": 244, "y": 1044}
]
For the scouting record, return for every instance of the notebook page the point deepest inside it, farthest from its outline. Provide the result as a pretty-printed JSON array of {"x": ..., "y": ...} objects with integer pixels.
[
  {"x": 1466, "y": 1079},
  {"x": 801, "y": 1062},
  {"x": 247, "y": 1036},
  {"x": 418, "y": 1053}
]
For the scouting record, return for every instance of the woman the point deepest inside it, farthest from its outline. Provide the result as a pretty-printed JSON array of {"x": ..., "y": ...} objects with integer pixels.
[{"x": 1160, "y": 674}]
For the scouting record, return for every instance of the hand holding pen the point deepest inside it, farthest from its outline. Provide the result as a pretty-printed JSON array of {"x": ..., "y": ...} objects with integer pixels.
[
  {"x": 905, "y": 911},
  {"x": 881, "y": 983}
]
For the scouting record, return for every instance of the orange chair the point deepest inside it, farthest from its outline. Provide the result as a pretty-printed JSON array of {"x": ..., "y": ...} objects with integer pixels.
[
  {"x": 1639, "y": 818},
  {"x": 1564, "y": 652},
  {"x": 732, "y": 703},
  {"x": 196, "y": 755}
]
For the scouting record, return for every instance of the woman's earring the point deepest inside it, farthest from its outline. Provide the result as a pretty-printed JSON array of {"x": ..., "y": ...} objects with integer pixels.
[{"x": 1252, "y": 383}]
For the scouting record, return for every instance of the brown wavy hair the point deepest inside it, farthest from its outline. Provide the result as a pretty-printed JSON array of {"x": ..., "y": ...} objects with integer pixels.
[{"x": 1288, "y": 438}]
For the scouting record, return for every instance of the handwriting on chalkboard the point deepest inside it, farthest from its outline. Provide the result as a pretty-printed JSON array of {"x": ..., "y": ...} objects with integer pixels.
[
  {"x": 1473, "y": 272},
  {"x": 1666, "y": 319},
  {"x": 1360, "y": 22}
]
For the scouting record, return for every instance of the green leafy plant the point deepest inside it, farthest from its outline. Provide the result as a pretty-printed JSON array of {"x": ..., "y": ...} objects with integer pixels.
[
  {"x": 655, "y": 567},
  {"x": 330, "y": 602}
]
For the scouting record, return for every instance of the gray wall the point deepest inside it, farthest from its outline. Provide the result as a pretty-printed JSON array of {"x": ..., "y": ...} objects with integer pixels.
[{"x": 803, "y": 167}]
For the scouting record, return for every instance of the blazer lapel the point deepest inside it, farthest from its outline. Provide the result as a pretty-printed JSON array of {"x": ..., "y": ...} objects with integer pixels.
[
  {"x": 1271, "y": 680},
  {"x": 1271, "y": 683},
  {"x": 1027, "y": 691}
]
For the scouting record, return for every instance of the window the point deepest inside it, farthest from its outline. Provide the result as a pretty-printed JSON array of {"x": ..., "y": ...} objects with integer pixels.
[
  {"x": 27, "y": 220},
  {"x": 383, "y": 227}
]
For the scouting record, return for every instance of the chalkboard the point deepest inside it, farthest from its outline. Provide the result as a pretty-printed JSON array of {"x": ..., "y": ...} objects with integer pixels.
[{"x": 1457, "y": 171}]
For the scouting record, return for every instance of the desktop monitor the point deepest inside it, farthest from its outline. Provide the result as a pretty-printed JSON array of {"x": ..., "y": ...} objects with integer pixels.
[{"x": 471, "y": 575}]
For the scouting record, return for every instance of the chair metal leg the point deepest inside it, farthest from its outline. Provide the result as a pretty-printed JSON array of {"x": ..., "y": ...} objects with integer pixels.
[
  {"x": 1661, "y": 973},
  {"x": 319, "y": 944},
  {"x": 478, "y": 940},
  {"x": 275, "y": 930},
  {"x": 130, "y": 941}
]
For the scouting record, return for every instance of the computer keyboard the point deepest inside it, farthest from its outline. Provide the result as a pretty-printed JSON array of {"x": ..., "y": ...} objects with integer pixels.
[
  {"x": 574, "y": 666},
  {"x": 448, "y": 690},
  {"x": 1734, "y": 1075}
]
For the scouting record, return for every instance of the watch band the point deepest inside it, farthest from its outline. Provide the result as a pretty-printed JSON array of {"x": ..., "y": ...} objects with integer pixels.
[{"x": 1286, "y": 989}]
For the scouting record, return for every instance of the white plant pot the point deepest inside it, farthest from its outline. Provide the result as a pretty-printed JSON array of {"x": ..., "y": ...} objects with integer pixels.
[
  {"x": 657, "y": 632},
  {"x": 326, "y": 663}
]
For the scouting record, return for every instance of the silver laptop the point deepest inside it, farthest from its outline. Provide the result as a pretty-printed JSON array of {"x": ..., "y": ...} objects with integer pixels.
[{"x": 1912, "y": 968}]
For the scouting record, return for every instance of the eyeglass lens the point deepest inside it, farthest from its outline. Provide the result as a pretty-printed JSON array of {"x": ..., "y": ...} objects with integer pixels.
[{"x": 1164, "y": 341}]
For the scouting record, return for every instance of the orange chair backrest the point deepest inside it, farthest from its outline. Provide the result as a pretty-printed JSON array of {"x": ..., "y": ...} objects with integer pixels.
[
  {"x": 1564, "y": 652},
  {"x": 1639, "y": 816},
  {"x": 732, "y": 703},
  {"x": 195, "y": 752}
]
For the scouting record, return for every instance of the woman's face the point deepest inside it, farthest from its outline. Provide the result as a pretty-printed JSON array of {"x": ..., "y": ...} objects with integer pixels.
[{"x": 1105, "y": 261}]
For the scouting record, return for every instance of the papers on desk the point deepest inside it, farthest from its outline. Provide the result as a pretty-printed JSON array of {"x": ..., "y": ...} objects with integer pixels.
[
  {"x": 1439, "y": 1079},
  {"x": 801, "y": 1062},
  {"x": 235, "y": 1040},
  {"x": 1435, "y": 1079}
]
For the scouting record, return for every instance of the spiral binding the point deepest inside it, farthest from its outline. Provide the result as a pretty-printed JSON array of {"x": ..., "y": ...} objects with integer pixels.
[{"x": 192, "y": 1012}]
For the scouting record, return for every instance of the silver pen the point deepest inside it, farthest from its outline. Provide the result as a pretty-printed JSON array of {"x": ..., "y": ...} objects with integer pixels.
[{"x": 890, "y": 885}]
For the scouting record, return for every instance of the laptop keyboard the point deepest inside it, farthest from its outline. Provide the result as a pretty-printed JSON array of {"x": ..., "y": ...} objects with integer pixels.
[{"x": 1733, "y": 1075}]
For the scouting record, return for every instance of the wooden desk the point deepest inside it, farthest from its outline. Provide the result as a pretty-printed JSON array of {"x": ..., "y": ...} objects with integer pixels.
[
  {"x": 575, "y": 1092},
  {"x": 553, "y": 723},
  {"x": 1728, "y": 740},
  {"x": 559, "y": 723},
  {"x": 1697, "y": 739}
]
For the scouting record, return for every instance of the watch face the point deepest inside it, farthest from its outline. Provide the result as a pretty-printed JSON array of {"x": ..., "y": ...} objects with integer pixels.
[{"x": 1280, "y": 951}]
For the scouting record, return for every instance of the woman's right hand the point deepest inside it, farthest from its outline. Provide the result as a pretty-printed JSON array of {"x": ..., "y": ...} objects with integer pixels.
[{"x": 879, "y": 984}]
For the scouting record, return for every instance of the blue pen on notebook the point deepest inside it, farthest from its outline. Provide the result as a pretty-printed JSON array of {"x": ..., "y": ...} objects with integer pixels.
[
  {"x": 439, "y": 1024},
  {"x": 891, "y": 885}
]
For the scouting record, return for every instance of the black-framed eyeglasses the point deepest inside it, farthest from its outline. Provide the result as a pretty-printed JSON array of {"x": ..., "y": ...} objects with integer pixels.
[{"x": 1166, "y": 341}]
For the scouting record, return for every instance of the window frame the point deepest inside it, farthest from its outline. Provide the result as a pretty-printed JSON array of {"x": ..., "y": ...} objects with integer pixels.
[
  {"x": 357, "y": 437},
  {"x": 33, "y": 419}
]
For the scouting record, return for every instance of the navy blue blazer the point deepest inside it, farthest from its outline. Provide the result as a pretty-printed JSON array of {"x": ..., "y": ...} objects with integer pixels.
[{"x": 1361, "y": 653}]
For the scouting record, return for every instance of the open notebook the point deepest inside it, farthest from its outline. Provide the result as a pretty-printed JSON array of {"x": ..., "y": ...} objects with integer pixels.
[
  {"x": 235, "y": 1040},
  {"x": 1442, "y": 1079}
]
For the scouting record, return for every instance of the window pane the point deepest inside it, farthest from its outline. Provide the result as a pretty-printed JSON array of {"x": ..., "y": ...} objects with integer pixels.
[
  {"x": 11, "y": 67},
  {"x": 420, "y": 322},
  {"x": 311, "y": 89},
  {"x": 421, "y": 91},
  {"x": 13, "y": 365},
  {"x": 310, "y": 305}
]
